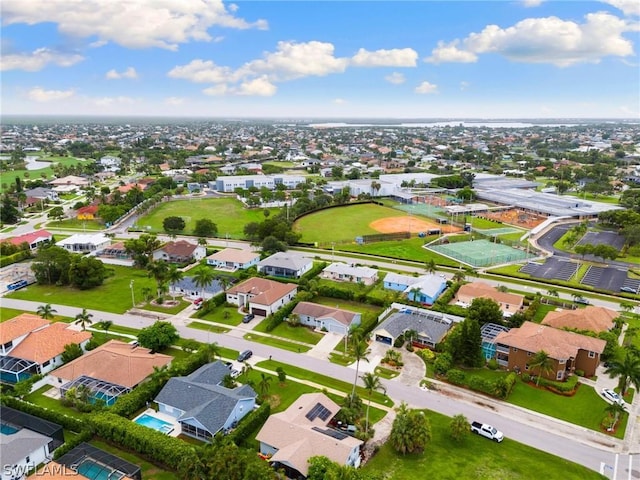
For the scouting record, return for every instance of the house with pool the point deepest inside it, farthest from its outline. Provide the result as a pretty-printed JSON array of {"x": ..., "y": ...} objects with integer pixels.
[
  {"x": 110, "y": 370},
  {"x": 202, "y": 405}
]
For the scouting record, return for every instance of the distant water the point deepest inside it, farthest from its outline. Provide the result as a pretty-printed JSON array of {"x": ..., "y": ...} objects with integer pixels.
[{"x": 34, "y": 164}]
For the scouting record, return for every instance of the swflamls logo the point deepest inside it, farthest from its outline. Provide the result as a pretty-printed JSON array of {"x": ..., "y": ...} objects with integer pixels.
[{"x": 16, "y": 472}]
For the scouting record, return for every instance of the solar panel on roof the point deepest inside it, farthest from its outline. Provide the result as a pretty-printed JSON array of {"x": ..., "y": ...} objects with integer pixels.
[
  {"x": 318, "y": 410},
  {"x": 331, "y": 433}
]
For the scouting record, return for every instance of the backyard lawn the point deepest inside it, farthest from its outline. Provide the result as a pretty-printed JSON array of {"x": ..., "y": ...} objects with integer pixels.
[
  {"x": 299, "y": 333},
  {"x": 149, "y": 470},
  {"x": 7, "y": 313},
  {"x": 113, "y": 296},
  {"x": 474, "y": 458},
  {"x": 226, "y": 315},
  {"x": 410, "y": 249},
  {"x": 277, "y": 342},
  {"x": 228, "y": 214}
]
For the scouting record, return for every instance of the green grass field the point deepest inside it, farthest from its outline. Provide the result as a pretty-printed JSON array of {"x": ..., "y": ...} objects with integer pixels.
[
  {"x": 474, "y": 458},
  {"x": 342, "y": 223},
  {"x": 9, "y": 178},
  {"x": 410, "y": 249},
  {"x": 227, "y": 213}
]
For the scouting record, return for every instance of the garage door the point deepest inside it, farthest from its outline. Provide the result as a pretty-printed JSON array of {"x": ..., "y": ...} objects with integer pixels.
[
  {"x": 333, "y": 328},
  {"x": 383, "y": 339},
  {"x": 259, "y": 311}
]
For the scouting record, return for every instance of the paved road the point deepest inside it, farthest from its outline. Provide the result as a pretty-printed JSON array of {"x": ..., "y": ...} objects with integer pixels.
[{"x": 559, "y": 438}]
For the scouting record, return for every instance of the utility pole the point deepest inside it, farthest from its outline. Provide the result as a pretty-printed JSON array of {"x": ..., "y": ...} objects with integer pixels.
[{"x": 133, "y": 301}]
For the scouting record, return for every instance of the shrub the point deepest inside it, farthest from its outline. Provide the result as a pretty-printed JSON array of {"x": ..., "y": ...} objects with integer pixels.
[
  {"x": 275, "y": 319},
  {"x": 443, "y": 363},
  {"x": 526, "y": 377},
  {"x": 399, "y": 341},
  {"x": 579, "y": 373},
  {"x": 456, "y": 376},
  {"x": 65, "y": 421},
  {"x": 479, "y": 384},
  {"x": 249, "y": 424},
  {"x": 426, "y": 354},
  {"x": 492, "y": 364},
  {"x": 128, "y": 404}
]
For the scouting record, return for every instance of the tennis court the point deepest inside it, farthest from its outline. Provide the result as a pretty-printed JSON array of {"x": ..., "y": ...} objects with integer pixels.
[
  {"x": 480, "y": 253},
  {"x": 423, "y": 209}
]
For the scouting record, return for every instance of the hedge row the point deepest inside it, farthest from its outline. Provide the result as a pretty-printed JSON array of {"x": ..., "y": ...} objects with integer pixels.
[
  {"x": 250, "y": 424},
  {"x": 562, "y": 387},
  {"x": 15, "y": 258},
  {"x": 68, "y": 445},
  {"x": 343, "y": 294},
  {"x": 315, "y": 270},
  {"x": 167, "y": 451},
  {"x": 128, "y": 404},
  {"x": 500, "y": 388},
  {"x": 275, "y": 319}
]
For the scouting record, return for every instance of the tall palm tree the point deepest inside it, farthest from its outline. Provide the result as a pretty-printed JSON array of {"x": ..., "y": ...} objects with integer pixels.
[
  {"x": 543, "y": 362},
  {"x": 202, "y": 278},
  {"x": 628, "y": 371},
  {"x": 430, "y": 266},
  {"x": 211, "y": 351},
  {"x": 83, "y": 319},
  {"x": 174, "y": 276},
  {"x": 158, "y": 270},
  {"x": 413, "y": 294},
  {"x": 46, "y": 311},
  {"x": 224, "y": 281},
  {"x": 106, "y": 325},
  {"x": 372, "y": 384},
  {"x": 459, "y": 276},
  {"x": 264, "y": 384},
  {"x": 360, "y": 350},
  {"x": 553, "y": 292},
  {"x": 614, "y": 410}
]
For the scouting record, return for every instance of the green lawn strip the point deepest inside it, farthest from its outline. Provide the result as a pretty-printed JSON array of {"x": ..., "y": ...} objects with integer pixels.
[
  {"x": 176, "y": 353},
  {"x": 411, "y": 249},
  {"x": 475, "y": 457},
  {"x": 209, "y": 327},
  {"x": 37, "y": 397},
  {"x": 351, "y": 286},
  {"x": 233, "y": 317},
  {"x": 596, "y": 198},
  {"x": 348, "y": 305},
  {"x": 8, "y": 313},
  {"x": 542, "y": 311},
  {"x": 340, "y": 359},
  {"x": 329, "y": 382},
  {"x": 228, "y": 214},
  {"x": 113, "y": 296},
  {"x": 277, "y": 342},
  {"x": 75, "y": 224},
  {"x": 182, "y": 304},
  {"x": 387, "y": 373},
  {"x": 149, "y": 470},
  {"x": 300, "y": 333},
  {"x": 585, "y": 408}
]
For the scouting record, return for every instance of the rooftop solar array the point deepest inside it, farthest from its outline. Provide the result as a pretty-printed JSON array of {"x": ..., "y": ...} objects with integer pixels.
[
  {"x": 331, "y": 433},
  {"x": 318, "y": 411}
]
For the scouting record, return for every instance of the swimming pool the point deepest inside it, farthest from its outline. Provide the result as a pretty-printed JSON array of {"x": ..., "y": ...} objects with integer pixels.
[
  {"x": 6, "y": 429},
  {"x": 96, "y": 471},
  {"x": 155, "y": 423}
]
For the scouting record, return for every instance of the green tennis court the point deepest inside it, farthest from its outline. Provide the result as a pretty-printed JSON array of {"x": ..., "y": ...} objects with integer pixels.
[{"x": 480, "y": 253}]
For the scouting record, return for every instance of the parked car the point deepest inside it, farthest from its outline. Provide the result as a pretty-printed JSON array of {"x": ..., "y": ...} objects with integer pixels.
[
  {"x": 248, "y": 317},
  {"x": 244, "y": 356},
  {"x": 487, "y": 431},
  {"x": 198, "y": 301},
  {"x": 235, "y": 373},
  {"x": 628, "y": 290},
  {"x": 582, "y": 301},
  {"x": 612, "y": 396}
]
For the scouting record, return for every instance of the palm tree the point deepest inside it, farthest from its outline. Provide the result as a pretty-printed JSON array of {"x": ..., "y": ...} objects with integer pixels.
[
  {"x": 158, "y": 270},
  {"x": 543, "y": 362},
  {"x": 202, "y": 278},
  {"x": 83, "y": 318},
  {"x": 161, "y": 374},
  {"x": 223, "y": 281},
  {"x": 174, "y": 276},
  {"x": 553, "y": 292},
  {"x": 372, "y": 384},
  {"x": 264, "y": 384},
  {"x": 430, "y": 266},
  {"x": 614, "y": 410},
  {"x": 413, "y": 294},
  {"x": 459, "y": 276},
  {"x": 46, "y": 311},
  {"x": 106, "y": 325},
  {"x": 211, "y": 351},
  {"x": 360, "y": 350},
  {"x": 628, "y": 371}
]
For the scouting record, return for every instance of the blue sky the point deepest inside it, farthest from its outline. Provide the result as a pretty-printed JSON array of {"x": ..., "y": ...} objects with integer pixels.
[{"x": 405, "y": 59}]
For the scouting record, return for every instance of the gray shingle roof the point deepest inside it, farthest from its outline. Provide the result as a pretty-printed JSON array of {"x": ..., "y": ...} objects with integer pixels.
[
  {"x": 202, "y": 398},
  {"x": 288, "y": 260},
  {"x": 435, "y": 325}
]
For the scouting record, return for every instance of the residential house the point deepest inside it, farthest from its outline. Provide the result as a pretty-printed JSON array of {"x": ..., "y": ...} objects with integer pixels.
[
  {"x": 230, "y": 183},
  {"x": 510, "y": 303},
  {"x": 32, "y": 345},
  {"x": 115, "y": 250},
  {"x": 84, "y": 242},
  {"x": 200, "y": 403},
  {"x": 261, "y": 296},
  {"x": 591, "y": 318},
  {"x": 569, "y": 351},
  {"x": 430, "y": 327},
  {"x": 87, "y": 213},
  {"x": 331, "y": 319},
  {"x": 42, "y": 193},
  {"x": 110, "y": 370},
  {"x": 303, "y": 431},
  {"x": 233, "y": 259},
  {"x": 285, "y": 264},
  {"x": 110, "y": 163},
  {"x": 424, "y": 289},
  {"x": 180, "y": 251},
  {"x": 187, "y": 288},
  {"x": 34, "y": 239},
  {"x": 25, "y": 442},
  {"x": 70, "y": 180},
  {"x": 341, "y": 272}
]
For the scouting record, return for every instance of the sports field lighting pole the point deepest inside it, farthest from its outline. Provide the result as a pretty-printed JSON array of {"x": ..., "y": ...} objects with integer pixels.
[{"x": 133, "y": 301}]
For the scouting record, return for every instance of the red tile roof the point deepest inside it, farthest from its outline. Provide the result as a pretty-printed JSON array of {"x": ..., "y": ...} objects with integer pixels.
[
  {"x": 20, "y": 325},
  {"x": 49, "y": 342},
  {"x": 31, "y": 237}
]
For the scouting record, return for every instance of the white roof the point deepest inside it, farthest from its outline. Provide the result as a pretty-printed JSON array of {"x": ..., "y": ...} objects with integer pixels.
[
  {"x": 84, "y": 239},
  {"x": 344, "y": 269}
]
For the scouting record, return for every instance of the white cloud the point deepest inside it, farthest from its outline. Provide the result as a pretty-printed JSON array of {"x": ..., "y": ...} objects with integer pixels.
[
  {"x": 426, "y": 88},
  {"x": 201, "y": 71},
  {"x": 39, "y": 94},
  {"x": 296, "y": 60},
  {"x": 628, "y": 7},
  {"x": 38, "y": 59},
  {"x": 545, "y": 40},
  {"x": 137, "y": 24},
  {"x": 396, "y": 57},
  {"x": 174, "y": 101},
  {"x": 464, "y": 85},
  {"x": 396, "y": 78},
  {"x": 338, "y": 101},
  {"x": 449, "y": 52},
  {"x": 532, "y": 3},
  {"x": 216, "y": 90},
  {"x": 260, "y": 87},
  {"x": 113, "y": 74}
]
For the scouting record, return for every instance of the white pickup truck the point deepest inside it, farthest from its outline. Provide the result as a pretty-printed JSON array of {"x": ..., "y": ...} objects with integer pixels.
[{"x": 487, "y": 431}]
